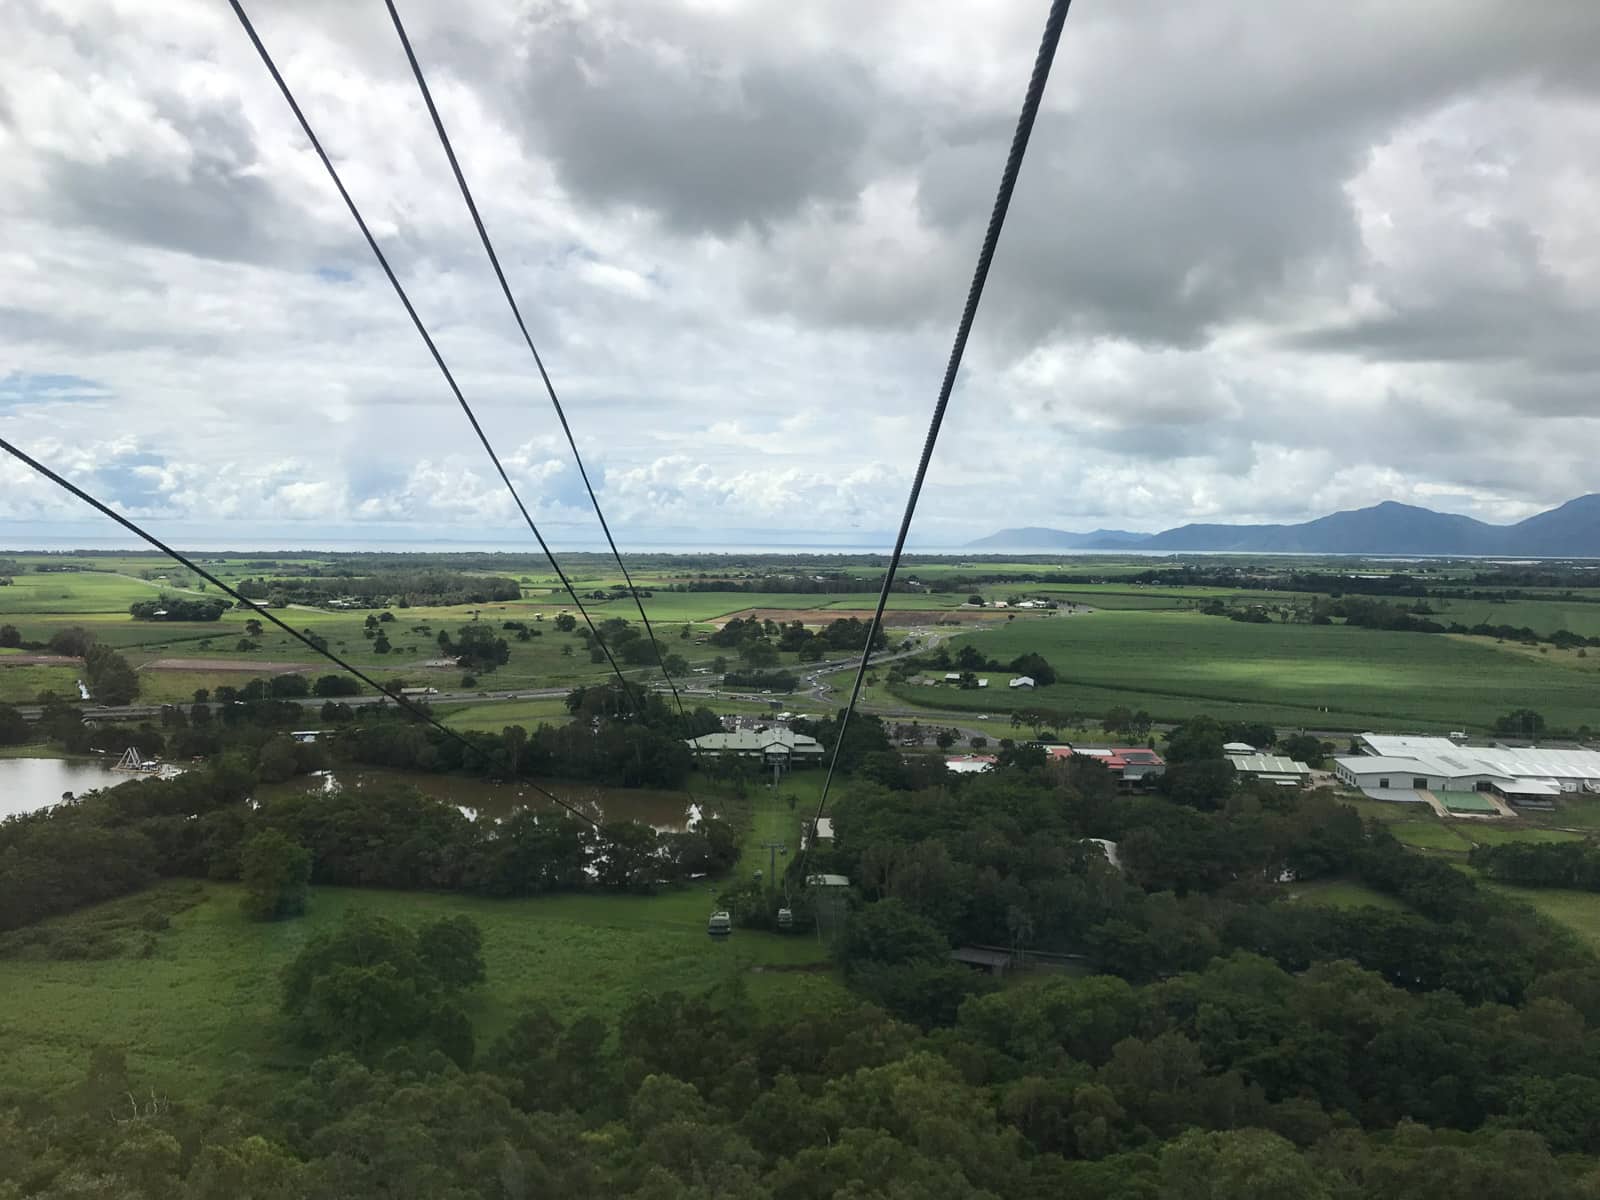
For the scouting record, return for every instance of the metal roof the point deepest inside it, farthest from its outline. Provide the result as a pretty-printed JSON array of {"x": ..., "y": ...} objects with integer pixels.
[
  {"x": 749, "y": 739},
  {"x": 1267, "y": 764},
  {"x": 1445, "y": 757},
  {"x": 1375, "y": 764}
]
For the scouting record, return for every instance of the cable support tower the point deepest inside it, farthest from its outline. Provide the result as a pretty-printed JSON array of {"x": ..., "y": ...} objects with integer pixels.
[
  {"x": 522, "y": 325},
  {"x": 1008, "y": 181}
]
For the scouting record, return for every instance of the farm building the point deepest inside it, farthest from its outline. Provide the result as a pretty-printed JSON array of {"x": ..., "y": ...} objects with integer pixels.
[
  {"x": 1022, "y": 681},
  {"x": 1271, "y": 768},
  {"x": 1238, "y": 748},
  {"x": 1132, "y": 765},
  {"x": 771, "y": 746},
  {"x": 1399, "y": 768},
  {"x": 969, "y": 764}
]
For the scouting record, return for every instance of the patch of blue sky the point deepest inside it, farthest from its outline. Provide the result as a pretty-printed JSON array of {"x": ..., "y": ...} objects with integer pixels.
[{"x": 26, "y": 387}]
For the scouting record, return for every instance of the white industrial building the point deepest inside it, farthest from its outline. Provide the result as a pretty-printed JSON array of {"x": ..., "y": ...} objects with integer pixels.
[{"x": 1401, "y": 768}]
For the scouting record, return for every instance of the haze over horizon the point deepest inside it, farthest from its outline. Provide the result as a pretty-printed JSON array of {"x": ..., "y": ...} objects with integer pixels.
[{"x": 1265, "y": 263}]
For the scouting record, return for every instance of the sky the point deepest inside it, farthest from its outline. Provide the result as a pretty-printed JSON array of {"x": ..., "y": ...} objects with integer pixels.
[{"x": 1265, "y": 261}]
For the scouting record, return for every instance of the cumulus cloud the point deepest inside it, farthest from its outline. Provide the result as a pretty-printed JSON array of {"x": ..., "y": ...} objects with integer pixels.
[{"x": 1264, "y": 261}]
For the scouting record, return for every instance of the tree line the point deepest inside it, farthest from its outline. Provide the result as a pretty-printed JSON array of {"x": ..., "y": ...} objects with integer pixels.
[
  {"x": 200, "y": 824},
  {"x": 407, "y": 588},
  {"x": 177, "y": 608}
]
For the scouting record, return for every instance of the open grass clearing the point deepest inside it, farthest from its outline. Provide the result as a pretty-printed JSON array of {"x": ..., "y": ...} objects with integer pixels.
[
  {"x": 1342, "y": 893},
  {"x": 1578, "y": 911},
  {"x": 1430, "y": 834},
  {"x": 203, "y": 1007}
]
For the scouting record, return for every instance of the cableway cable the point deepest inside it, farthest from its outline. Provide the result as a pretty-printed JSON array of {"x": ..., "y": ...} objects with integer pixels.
[
  {"x": 516, "y": 312},
  {"x": 417, "y": 712},
  {"x": 422, "y": 331},
  {"x": 1008, "y": 180}
]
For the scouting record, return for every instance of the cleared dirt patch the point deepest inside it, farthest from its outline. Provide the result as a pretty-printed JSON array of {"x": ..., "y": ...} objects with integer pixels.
[
  {"x": 224, "y": 664},
  {"x": 904, "y": 616},
  {"x": 39, "y": 660}
]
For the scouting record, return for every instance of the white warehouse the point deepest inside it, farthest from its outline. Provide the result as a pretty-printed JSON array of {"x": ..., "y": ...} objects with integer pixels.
[{"x": 1399, "y": 768}]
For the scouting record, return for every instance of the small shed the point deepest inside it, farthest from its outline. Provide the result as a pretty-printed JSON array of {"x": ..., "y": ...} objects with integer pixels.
[
  {"x": 1022, "y": 681},
  {"x": 1238, "y": 748},
  {"x": 982, "y": 959}
]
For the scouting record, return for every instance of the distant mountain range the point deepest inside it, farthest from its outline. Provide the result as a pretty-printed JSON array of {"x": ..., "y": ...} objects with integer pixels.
[{"x": 1570, "y": 531}]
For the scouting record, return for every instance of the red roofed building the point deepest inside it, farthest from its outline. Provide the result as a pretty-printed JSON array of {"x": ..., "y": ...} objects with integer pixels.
[{"x": 1132, "y": 765}]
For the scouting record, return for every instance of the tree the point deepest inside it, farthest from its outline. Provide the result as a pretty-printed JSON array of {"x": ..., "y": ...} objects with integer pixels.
[
  {"x": 975, "y": 600},
  {"x": 14, "y": 730},
  {"x": 890, "y": 932},
  {"x": 276, "y": 873},
  {"x": 566, "y": 622},
  {"x": 381, "y": 644},
  {"x": 452, "y": 948},
  {"x": 10, "y": 637},
  {"x": 1197, "y": 738},
  {"x": 1520, "y": 722},
  {"x": 977, "y": 741},
  {"x": 1241, "y": 1164},
  {"x": 289, "y": 687},
  {"x": 1204, "y": 784},
  {"x": 253, "y": 627},
  {"x": 758, "y": 654},
  {"x": 945, "y": 738},
  {"x": 336, "y": 685},
  {"x": 1303, "y": 747},
  {"x": 675, "y": 665},
  {"x": 276, "y": 761},
  {"x": 73, "y": 641},
  {"x": 1035, "y": 667},
  {"x": 110, "y": 678},
  {"x": 367, "y": 986}
]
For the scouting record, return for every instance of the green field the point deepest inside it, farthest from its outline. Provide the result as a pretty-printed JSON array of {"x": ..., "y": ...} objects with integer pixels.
[
  {"x": 1487, "y": 834},
  {"x": 1578, "y": 911},
  {"x": 1343, "y": 893},
  {"x": 1542, "y": 616},
  {"x": 1176, "y": 665},
  {"x": 1430, "y": 834},
  {"x": 204, "y": 1006}
]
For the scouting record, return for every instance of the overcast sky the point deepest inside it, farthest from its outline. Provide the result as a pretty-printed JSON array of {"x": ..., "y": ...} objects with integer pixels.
[{"x": 1265, "y": 260}]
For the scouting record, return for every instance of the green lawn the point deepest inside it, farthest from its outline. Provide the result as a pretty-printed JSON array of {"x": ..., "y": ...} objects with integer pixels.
[
  {"x": 1578, "y": 911},
  {"x": 1342, "y": 893},
  {"x": 1179, "y": 664},
  {"x": 1430, "y": 834},
  {"x": 204, "y": 1006},
  {"x": 1486, "y": 834}
]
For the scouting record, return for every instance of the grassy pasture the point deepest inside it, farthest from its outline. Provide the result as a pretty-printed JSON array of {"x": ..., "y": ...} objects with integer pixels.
[
  {"x": 204, "y": 1005},
  {"x": 1343, "y": 893},
  {"x": 1179, "y": 664}
]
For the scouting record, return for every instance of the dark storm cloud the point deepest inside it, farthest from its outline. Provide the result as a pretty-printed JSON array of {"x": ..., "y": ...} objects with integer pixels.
[
  {"x": 1193, "y": 169},
  {"x": 704, "y": 140}
]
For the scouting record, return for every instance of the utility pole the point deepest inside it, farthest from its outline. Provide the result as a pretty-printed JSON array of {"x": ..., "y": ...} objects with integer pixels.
[{"x": 773, "y": 850}]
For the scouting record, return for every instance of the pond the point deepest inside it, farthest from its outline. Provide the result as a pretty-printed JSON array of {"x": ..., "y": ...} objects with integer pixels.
[
  {"x": 666, "y": 812},
  {"x": 27, "y": 784}
]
